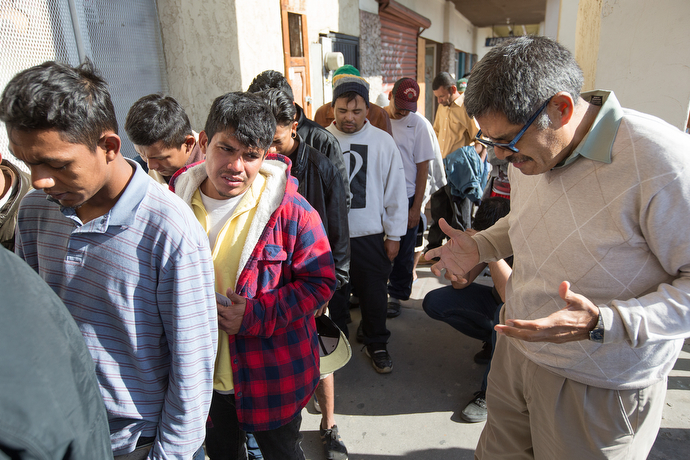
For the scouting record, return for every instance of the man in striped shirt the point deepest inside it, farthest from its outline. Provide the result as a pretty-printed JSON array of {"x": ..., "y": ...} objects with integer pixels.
[{"x": 127, "y": 258}]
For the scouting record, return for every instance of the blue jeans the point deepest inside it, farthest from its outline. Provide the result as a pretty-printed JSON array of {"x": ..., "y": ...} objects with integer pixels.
[
  {"x": 226, "y": 441},
  {"x": 470, "y": 310},
  {"x": 400, "y": 279}
]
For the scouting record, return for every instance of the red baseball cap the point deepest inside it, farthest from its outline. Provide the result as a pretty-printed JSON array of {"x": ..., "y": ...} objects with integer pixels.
[{"x": 406, "y": 92}]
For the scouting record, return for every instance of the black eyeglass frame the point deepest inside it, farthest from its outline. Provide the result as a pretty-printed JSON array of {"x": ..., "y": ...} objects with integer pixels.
[{"x": 511, "y": 145}]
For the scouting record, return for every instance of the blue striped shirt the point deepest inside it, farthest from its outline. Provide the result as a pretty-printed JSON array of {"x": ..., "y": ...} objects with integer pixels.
[{"x": 139, "y": 283}]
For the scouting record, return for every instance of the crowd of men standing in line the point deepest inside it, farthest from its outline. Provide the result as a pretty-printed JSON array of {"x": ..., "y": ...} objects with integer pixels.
[{"x": 197, "y": 307}]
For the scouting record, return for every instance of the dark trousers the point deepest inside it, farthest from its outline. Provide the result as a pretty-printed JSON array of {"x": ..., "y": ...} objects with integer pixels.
[
  {"x": 369, "y": 272},
  {"x": 400, "y": 281},
  {"x": 339, "y": 308},
  {"x": 442, "y": 207},
  {"x": 226, "y": 441}
]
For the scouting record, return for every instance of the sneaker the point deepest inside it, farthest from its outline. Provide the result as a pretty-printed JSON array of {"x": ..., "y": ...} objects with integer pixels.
[
  {"x": 317, "y": 406},
  {"x": 475, "y": 411},
  {"x": 484, "y": 356},
  {"x": 360, "y": 333},
  {"x": 332, "y": 444},
  {"x": 380, "y": 358},
  {"x": 393, "y": 308}
]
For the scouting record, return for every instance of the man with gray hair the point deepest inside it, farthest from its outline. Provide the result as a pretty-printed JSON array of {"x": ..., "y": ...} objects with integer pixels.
[{"x": 597, "y": 306}]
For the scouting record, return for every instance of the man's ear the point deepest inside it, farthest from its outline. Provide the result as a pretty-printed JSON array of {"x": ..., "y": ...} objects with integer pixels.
[
  {"x": 453, "y": 89},
  {"x": 110, "y": 143},
  {"x": 561, "y": 109},
  {"x": 203, "y": 142},
  {"x": 189, "y": 142}
]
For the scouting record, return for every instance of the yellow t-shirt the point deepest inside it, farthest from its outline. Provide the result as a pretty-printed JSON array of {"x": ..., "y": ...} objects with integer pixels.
[{"x": 226, "y": 252}]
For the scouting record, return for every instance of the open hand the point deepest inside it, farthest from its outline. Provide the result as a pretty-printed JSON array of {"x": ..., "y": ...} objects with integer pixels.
[
  {"x": 458, "y": 256},
  {"x": 569, "y": 324}
]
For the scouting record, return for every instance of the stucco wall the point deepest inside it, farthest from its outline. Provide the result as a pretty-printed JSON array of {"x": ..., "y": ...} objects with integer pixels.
[
  {"x": 645, "y": 58},
  {"x": 259, "y": 39},
  {"x": 201, "y": 52}
]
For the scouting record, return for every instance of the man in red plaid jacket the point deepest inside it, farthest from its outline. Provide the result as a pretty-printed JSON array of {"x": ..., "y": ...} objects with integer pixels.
[{"x": 273, "y": 261}]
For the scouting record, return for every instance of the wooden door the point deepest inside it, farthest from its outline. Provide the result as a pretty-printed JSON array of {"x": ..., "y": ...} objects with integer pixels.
[{"x": 296, "y": 51}]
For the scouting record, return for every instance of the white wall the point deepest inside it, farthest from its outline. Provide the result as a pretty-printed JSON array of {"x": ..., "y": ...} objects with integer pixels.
[
  {"x": 645, "y": 58},
  {"x": 553, "y": 10},
  {"x": 259, "y": 49},
  {"x": 567, "y": 24}
]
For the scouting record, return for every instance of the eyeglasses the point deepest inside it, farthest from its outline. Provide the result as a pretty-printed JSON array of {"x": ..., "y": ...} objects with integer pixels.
[{"x": 511, "y": 145}]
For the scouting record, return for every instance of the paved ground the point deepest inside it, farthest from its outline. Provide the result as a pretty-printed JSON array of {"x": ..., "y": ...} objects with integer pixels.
[{"x": 413, "y": 413}]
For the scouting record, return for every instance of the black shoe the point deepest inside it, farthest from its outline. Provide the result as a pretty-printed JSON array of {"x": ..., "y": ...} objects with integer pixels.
[
  {"x": 475, "y": 411},
  {"x": 380, "y": 358},
  {"x": 484, "y": 356},
  {"x": 332, "y": 444},
  {"x": 360, "y": 333},
  {"x": 393, "y": 309}
]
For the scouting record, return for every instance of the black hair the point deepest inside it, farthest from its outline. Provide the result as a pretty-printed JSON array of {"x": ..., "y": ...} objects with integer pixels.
[
  {"x": 444, "y": 79},
  {"x": 270, "y": 79},
  {"x": 281, "y": 105},
  {"x": 247, "y": 115},
  {"x": 155, "y": 118},
  {"x": 72, "y": 100},
  {"x": 489, "y": 211},
  {"x": 350, "y": 96}
]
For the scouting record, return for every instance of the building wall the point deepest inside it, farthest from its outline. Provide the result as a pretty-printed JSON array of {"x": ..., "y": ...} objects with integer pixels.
[
  {"x": 325, "y": 16},
  {"x": 370, "y": 52},
  {"x": 201, "y": 52},
  {"x": 259, "y": 40},
  {"x": 587, "y": 30},
  {"x": 644, "y": 56}
]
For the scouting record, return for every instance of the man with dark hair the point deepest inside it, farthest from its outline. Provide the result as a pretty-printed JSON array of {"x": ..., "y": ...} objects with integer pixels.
[
  {"x": 273, "y": 261},
  {"x": 598, "y": 195},
  {"x": 376, "y": 115},
  {"x": 319, "y": 183},
  {"x": 472, "y": 308},
  {"x": 14, "y": 184},
  {"x": 312, "y": 133},
  {"x": 454, "y": 129},
  {"x": 159, "y": 128},
  {"x": 413, "y": 135},
  {"x": 126, "y": 257},
  {"x": 378, "y": 215}
]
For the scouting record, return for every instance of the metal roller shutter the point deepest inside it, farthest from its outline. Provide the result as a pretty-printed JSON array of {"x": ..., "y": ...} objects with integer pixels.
[
  {"x": 399, "y": 30},
  {"x": 398, "y": 50}
]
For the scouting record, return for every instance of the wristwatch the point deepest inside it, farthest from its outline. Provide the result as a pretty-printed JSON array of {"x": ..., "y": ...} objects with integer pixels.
[{"x": 597, "y": 334}]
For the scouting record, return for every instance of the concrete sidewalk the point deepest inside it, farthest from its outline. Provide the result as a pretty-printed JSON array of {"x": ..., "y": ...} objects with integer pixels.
[{"x": 414, "y": 412}]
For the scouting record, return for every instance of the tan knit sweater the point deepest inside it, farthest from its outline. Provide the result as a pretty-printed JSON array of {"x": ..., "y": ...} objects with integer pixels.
[{"x": 620, "y": 233}]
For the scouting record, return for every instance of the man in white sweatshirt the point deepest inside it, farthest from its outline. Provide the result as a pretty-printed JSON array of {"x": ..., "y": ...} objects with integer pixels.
[
  {"x": 598, "y": 303},
  {"x": 378, "y": 211}
]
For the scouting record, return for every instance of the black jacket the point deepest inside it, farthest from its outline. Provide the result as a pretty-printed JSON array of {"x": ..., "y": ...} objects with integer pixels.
[
  {"x": 320, "y": 184},
  {"x": 324, "y": 142}
]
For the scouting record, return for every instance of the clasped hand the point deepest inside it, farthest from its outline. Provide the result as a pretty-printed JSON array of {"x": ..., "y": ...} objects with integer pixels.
[{"x": 230, "y": 316}]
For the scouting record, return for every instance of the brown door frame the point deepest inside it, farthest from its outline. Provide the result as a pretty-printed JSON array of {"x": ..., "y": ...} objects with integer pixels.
[{"x": 297, "y": 7}]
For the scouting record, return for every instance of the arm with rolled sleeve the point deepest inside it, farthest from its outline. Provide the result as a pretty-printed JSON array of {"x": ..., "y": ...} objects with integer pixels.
[{"x": 187, "y": 306}]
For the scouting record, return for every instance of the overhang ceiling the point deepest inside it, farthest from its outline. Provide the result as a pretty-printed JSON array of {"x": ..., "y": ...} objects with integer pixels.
[{"x": 487, "y": 13}]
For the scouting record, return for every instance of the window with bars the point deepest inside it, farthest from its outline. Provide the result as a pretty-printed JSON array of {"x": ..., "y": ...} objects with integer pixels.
[{"x": 121, "y": 38}]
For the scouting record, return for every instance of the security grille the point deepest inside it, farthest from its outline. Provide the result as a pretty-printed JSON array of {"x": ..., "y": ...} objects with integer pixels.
[{"x": 122, "y": 38}]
